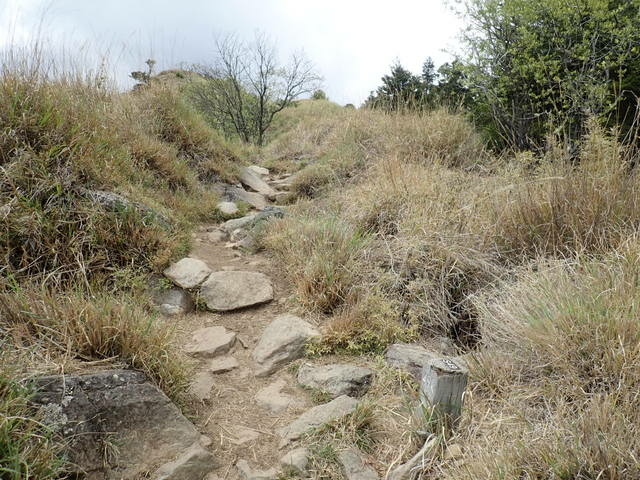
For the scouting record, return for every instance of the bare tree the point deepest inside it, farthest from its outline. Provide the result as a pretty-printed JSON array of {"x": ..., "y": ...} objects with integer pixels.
[{"x": 246, "y": 86}]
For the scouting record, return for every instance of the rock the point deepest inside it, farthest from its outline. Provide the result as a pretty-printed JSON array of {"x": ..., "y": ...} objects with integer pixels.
[
  {"x": 222, "y": 365},
  {"x": 242, "y": 435},
  {"x": 249, "y": 473},
  {"x": 282, "y": 341},
  {"x": 174, "y": 301},
  {"x": 201, "y": 385},
  {"x": 353, "y": 466},
  {"x": 238, "y": 223},
  {"x": 296, "y": 460},
  {"x": 271, "y": 397},
  {"x": 256, "y": 200},
  {"x": 211, "y": 341},
  {"x": 193, "y": 465},
  {"x": 125, "y": 408},
  {"x": 253, "y": 181},
  {"x": 334, "y": 410},
  {"x": 217, "y": 236},
  {"x": 224, "y": 291},
  {"x": 249, "y": 222},
  {"x": 188, "y": 272},
  {"x": 409, "y": 357},
  {"x": 337, "y": 379},
  {"x": 453, "y": 452},
  {"x": 227, "y": 208},
  {"x": 259, "y": 170},
  {"x": 114, "y": 202}
]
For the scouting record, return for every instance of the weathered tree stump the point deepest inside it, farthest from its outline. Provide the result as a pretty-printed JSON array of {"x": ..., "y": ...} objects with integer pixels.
[{"x": 443, "y": 384}]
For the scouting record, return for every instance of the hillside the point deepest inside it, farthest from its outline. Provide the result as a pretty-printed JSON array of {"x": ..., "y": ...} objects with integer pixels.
[{"x": 395, "y": 228}]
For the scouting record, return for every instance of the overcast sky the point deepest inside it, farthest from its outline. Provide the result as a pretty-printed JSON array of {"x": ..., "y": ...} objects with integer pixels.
[{"x": 352, "y": 42}]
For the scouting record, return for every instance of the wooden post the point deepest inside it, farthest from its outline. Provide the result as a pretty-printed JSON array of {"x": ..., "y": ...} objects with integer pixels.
[{"x": 443, "y": 383}]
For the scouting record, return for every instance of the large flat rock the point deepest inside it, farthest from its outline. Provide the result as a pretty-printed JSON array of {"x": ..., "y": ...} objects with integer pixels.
[
  {"x": 282, "y": 342},
  {"x": 208, "y": 342},
  {"x": 409, "y": 357},
  {"x": 124, "y": 408},
  {"x": 255, "y": 182},
  {"x": 188, "y": 272},
  {"x": 336, "y": 379},
  {"x": 224, "y": 291},
  {"x": 328, "y": 412}
]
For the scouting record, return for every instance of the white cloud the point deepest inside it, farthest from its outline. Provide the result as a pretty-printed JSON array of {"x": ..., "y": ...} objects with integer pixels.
[{"x": 353, "y": 42}]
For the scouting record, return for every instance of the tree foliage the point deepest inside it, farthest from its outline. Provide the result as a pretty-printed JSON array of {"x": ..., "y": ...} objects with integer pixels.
[{"x": 547, "y": 66}]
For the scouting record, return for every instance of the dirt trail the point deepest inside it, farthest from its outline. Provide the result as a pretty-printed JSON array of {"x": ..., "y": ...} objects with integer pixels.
[{"x": 238, "y": 426}]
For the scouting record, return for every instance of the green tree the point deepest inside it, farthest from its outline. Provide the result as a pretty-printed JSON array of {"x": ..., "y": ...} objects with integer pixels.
[
  {"x": 319, "y": 95},
  {"x": 402, "y": 90},
  {"x": 547, "y": 66}
]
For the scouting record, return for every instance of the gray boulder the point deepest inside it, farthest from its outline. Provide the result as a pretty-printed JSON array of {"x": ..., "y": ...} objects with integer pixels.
[
  {"x": 174, "y": 301},
  {"x": 115, "y": 202},
  {"x": 209, "y": 342},
  {"x": 282, "y": 342},
  {"x": 409, "y": 357},
  {"x": 258, "y": 170},
  {"x": 354, "y": 467},
  {"x": 296, "y": 460},
  {"x": 121, "y": 407},
  {"x": 225, "y": 291},
  {"x": 328, "y": 412},
  {"x": 188, "y": 272},
  {"x": 227, "y": 208},
  {"x": 256, "y": 200},
  {"x": 249, "y": 473},
  {"x": 249, "y": 222},
  {"x": 253, "y": 181},
  {"x": 336, "y": 379}
]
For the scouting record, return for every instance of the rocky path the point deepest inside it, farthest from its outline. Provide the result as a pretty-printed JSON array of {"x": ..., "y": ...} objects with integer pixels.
[{"x": 246, "y": 340}]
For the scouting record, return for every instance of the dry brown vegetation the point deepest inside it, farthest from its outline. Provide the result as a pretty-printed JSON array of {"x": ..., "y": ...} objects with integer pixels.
[
  {"x": 74, "y": 270},
  {"x": 528, "y": 262}
]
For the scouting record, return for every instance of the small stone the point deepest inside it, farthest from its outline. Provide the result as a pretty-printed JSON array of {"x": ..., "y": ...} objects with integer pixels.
[
  {"x": 227, "y": 208},
  {"x": 188, "y": 272},
  {"x": 201, "y": 385},
  {"x": 223, "y": 364},
  {"x": 224, "y": 291},
  {"x": 217, "y": 236},
  {"x": 354, "y": 467},
  {"x": 249, "y": 473},
  {"x": 211, "y": 341},
  {"x": 453, "y": 452},
  {"x": 192, "y": 465},
  {"x": 297, "y": 460},
  {"x": 205, "y": 441},
  {"x": 336, "y": 379},
  {"x": 334, "y": 410},
  {"x": 242, "y": 435},
  {"x": 271, "y": 397},
  {"x": 174, "y": 301},
  {"x": 281, "y": 342}
]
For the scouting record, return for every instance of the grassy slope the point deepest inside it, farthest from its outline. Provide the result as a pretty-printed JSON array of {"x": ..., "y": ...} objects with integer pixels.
[
  {"x": 74, "y": 272},
  {"x": 530, "y": 262}
]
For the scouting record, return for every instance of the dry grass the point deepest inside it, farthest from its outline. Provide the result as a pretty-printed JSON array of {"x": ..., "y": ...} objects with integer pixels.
[
  {"x": 555, "y": 392},
  {"x": 56, "y": 331},
  {"x": 530, "y": 262},
  {"x": 73, "y": 269}
]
